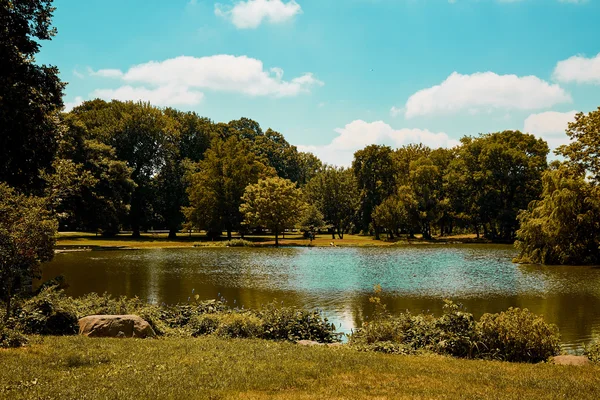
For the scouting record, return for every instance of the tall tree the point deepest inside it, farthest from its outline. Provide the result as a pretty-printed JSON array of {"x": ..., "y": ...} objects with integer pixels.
[
  {"x": 334, "y": 191},
  {"x": 563, "y": 227},
  {"x": 30, "y": 94},
  {"x": 426, "y": 183},
  {"x": 584, "y": 149},
  {"x": 89, "y": 188},
  {"x": 140, "y": 135},
  {"x": 375, "y": 173},
  {"x": 499, "y": 174},
  {"x": 186, "y": 145},
  {"x": 215, "y": 191},
  {"x": 310, "y": 165},
  {"x": 274, "y": 203},
  {"x": 27, "y": 238}
]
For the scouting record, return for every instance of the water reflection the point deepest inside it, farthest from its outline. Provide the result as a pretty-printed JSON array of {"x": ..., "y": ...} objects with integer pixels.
[{"x": 339, "y": 281}]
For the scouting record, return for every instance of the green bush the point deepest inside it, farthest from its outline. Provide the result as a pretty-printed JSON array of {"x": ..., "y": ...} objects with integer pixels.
[
  {"x": 291, "y": 323},
  {"x": 517, "y": 335},
  {"x": 240, "y": 243},
  {"x": 48, "y": 313},
  {"x": 593, "y": 351},
  {"x": 239, "y": 325},
  {"x": 204, "y": 324},
  {"x": 10, "y": 338},
  {"x": 451, "y": 334},
  {"x": 231, "y": 325}
]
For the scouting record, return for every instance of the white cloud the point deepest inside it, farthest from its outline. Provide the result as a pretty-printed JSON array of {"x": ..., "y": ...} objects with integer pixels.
[
  {"x": 550, "y": 126},
  {"x": 578, "y": 69},
  {"x": 251, "y": 13},
  {"x": 161, "y": 96},
  {"x": 181, "y": 80},
  {"x": 485, "y": 91},
  {"x": 395, "y": 111},
  {"x": 358, "y": 134},
  {"x": 106, "y": 73},
  {"x": 69, "y": 105}
]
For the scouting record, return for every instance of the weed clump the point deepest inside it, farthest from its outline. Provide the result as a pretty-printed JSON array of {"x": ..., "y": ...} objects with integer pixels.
[{"x": 515, "y": 335}]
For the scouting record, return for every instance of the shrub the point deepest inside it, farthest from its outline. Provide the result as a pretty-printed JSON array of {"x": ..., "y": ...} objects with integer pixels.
[
  {"x": 204, "y": 324},
  {"x": 10, "y": 338},
  {"x": 240, "y": 243},
  {"x": 48, "y": 313},
  {"x": 291, "y": 323},
  {"x": 517, "y": 335},
  {"x": 238, "y": 325},
  {"x": 231, "y": 325},
  {"x": 454, "y": 331},
  {"x": 593, "y": 351},
  {"x": 451, "y": 334}
]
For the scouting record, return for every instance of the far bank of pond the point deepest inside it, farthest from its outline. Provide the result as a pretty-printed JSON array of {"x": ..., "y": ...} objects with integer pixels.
[{"x": 339, "y": 280}]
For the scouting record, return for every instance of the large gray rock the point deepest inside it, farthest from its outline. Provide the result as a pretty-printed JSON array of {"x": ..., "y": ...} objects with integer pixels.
[{"x": 115, "y": 326}]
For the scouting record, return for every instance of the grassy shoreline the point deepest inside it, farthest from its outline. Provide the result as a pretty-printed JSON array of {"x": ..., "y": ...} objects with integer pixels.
[
  {"x": 72, "y": 241},
  {"x": 213, "y": 368}
]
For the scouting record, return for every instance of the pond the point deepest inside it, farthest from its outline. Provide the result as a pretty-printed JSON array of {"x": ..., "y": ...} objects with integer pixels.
[{"x": 340, "y": 280}]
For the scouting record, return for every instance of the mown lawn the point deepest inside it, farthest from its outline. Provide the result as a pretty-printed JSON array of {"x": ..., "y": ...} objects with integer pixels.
[
  {"x": 74, "y": 240},
  {"x": 211, "y": 368}
]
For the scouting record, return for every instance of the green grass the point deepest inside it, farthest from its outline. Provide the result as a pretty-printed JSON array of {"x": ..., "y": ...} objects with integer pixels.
[
  {"x": 77, "y": 240},
  {"x": 211, "y": 368}
]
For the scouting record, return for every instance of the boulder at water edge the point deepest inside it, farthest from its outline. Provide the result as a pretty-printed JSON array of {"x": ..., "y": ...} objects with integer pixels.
[{"x": 115, "y": 326}]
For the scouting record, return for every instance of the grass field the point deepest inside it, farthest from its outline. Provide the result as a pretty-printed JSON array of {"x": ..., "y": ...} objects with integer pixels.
[
  {"x": 211, "y": 368},
  {"x": 74, "y": 240}
]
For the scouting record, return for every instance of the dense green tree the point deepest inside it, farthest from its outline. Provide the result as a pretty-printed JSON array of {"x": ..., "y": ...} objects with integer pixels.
[
  {"x": 495, "y": 176},
  {"x": 375, "y": 172},
  {"x": 310, "y": 165},
  {"x": 274, "y": 203},
  {"x": 312, "y": 220},
  {"x": 405, "y": 155},
  {"x": 334, "y": 191},
  {"x": 30, "y": 94},
  {"x": 215, "y": 191},
  {"x": 27, "y": 238},
  {"x": 141, "y": 136},
  {"x": 270, "y": 146},
  {"x": 563, "y": 227},
  {"x": 89, "y": 187},
  {"x": 584, "y": 149},
  {"x": 398, "y": 213},
  {"x": 426, "y": 184},
  {"x": 187, "y": 144}
]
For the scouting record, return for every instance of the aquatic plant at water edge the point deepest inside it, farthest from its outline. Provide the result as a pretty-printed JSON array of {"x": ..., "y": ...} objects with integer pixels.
[
  {"x": 517, "y": 335},
  {"x": 592, "y": 351}
]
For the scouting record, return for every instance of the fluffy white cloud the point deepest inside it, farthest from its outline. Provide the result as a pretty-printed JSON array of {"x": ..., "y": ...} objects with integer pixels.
[
  {"x": 578, "y": 69},
  {"x": 181, "y": 80},
  {"x": 485, "y": 91},
  {"x": 69, "y": 105},
  {"x": 358, "y": 134},
  {"x": 251, "y": 13},
  {"x": 550, "y": 126}
]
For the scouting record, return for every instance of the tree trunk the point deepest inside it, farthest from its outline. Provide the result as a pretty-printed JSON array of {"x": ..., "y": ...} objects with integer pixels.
[
  {"x": 136, "y": 232},
  {"x": 276, "y": 238},
  {"x": 173, "y": 233},
  {"x": 228, "y": 233}
]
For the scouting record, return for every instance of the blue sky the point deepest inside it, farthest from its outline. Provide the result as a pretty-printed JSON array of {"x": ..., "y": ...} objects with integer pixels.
[{"x": 334, "y": 76}]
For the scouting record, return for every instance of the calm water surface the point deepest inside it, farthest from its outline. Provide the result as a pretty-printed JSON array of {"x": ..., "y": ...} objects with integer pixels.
[{"x": 339, "y": 281}]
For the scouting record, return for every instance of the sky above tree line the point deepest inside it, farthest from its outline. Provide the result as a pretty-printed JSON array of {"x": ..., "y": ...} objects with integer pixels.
[{"x": 334, "y": 76}]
